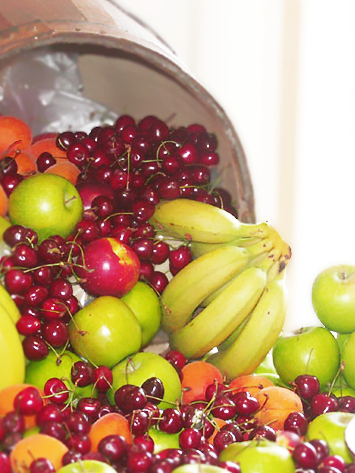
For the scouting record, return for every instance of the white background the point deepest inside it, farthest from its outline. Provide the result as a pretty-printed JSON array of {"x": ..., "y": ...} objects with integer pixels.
[{"x": 284, "y": 72}]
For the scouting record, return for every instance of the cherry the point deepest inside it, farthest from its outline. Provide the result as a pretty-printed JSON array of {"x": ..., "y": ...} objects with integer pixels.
[
  {"x": 177, "y": 359},
  {"x": 79, "y": 443},
  {"x": 28, "y": 402},
  {"x": 10, "y": 181},
  {"x": 14, "y": 235},
  {"x": 223, "y": 438},
  {"x": 190, "y": 438},
  {"x": 322, "y": 403},
  {"x": 13, "y": 422},
  {"x": 89, "y": 406},
  {"x": 139, "y": 461},
  {"x": 180, "y": 257},
  {"x": 5, "y": 464},
  {"x": 170, "y": 421},
  {"x": 34, "y": 347},
  {"x": 78, "y": 423},
  {"x": 144, "y": 441},
  {"x": 307, "y": 386},
  {"x": 159, "y": 281},
  {"x": 28, "y": 325},
  {"x": 192, "y": 455},
  {"x": 346, "y": 404},
  {"x": 17, "y": 281},
  {"x": 102, "y": 378},
  {"x": 263, "y": 431},
  {"x": 154, "y": 389},
  {"x": 164, "y": 465},
  {"x": 296, "y": 422},
  {"x": 223, "y": 408},
  {"x": 112, "y": 447},
  {"x": 335, "y": 461},
  {"x": 139, "y": 421},
  {"x": 305, "y": 455},
  {"x": 60, "y": 288},
  {"x": 245, "y": 404},
  {"x": 41, "y": 465},
  {"x": 82, "y": 374},
  {"x": 230, "y": 466},
  {"x": 44, "y": 161},
  {"x": 49, "y": 412},
  {"x": 321, "y": 447},
  {"x": 55, "y": 333},
  {"x": 56, "y": 390}
]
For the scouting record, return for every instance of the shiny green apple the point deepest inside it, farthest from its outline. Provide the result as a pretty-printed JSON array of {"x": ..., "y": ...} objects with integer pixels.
[
  {"x": 348, "y": 360},
  {"x": 199, "y": 468},
  {"x": 105, "y": 331},
  {"x": 137, "y": 368},
  {"x": 56, "y": 366},
  {"x": 87, "y": 466},
  {"x": 333, "y": 298},
  {"x": 47, "y": 203},
  {"x": 309, "y": 350},
  {"x": 259, "y": 456},
  {"x": 145, "y": 304},
  {"x": 162, "y": 440},
  {"x": 331, "y": 427}
]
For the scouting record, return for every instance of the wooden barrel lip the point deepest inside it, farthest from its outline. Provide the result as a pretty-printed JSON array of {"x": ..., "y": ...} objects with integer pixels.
[{"x": 17, "y": 40}]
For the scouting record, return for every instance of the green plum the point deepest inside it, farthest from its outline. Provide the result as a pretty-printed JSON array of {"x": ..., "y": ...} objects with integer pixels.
[
  {"x": 137, "y": 368},
  {"x": 145, "y": 304},
  {"x": 48, "y": 203},
  {"x": 55, "y": 366},
  {"x": 331, "y": 427},
  {"x": 105, "y": 331},
  {"x": 309, "y": 350},
  {"x": 261, "y": 456},
  {"x": 87, "y": 466}
]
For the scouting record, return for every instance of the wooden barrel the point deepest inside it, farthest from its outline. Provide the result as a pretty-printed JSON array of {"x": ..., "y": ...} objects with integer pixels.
[{"x": 125, "y": 66}]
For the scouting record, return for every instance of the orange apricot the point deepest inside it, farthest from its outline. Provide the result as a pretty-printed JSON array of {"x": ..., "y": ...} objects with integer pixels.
[
  {"x": 66, "y": 169},
  {"x": 251, "y": 383},
  {"x": 4, "y": 202},
  {"x": 218, "y": 424},
  {"x": 7, "y": 397},
  {"x": 196, "y": 376},
  {"x": 36, "y": 446},
  {"x": 48, "y": 145},
  {"x": 25, "y": 163},
  {"x": 276, "y": 403},
  {"x": 15, "y": 134},
  {"x": 109, "y": 424}
]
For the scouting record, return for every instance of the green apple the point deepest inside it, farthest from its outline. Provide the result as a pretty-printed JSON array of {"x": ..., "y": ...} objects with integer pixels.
[
  {"x": 309, "y": 350},
  {"x": 350, "y": 437},
  {"x": 162, "y": 440},
  {"x": 87, "y": 466},
  {"x": 333, "y": 298},
  {"x": 331, "y": 427},
  {"x": 348, "y": 360},
  {"x": 141, "y": 366},
  {"x": 4, "y": 224},
  {"x": 199, "y": 468},
  {"x": 259, "y": 456},
  {"x": 105, "y": 331},
  {"x": 48, "y": 203},
  {"x": 145, "y": 304},
  {"x": 56, "y": 366}
]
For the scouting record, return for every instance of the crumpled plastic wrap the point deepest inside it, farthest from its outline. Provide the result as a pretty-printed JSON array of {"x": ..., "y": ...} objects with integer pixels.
[{"x": 44, "y": 88}]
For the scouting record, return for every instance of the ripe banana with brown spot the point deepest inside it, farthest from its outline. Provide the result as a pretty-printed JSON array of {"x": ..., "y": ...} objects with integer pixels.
[
  {"x": 222, "y": 316},
  {"x": 196, "y": 221},
  {"x": 246, "y": 349},
  {"x": 196, "y": 281}
]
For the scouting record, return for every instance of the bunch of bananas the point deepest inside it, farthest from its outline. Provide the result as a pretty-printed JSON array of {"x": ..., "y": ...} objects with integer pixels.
[
  {"x": 228, "y": 305},
  {"x": 12, "y": 366}
]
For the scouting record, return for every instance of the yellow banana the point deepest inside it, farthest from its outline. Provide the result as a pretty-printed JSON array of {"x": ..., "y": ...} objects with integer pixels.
[
  {"x": 197, "y": 221},
  {"x": 196, "y": 281},
  {"x": 249, "y": 347},
  {"x": 222, "y": 316},
  {"x": 12, "y": 367},
  {"x": 198, "y": 248},
  {"x": 9, "y": 305}
]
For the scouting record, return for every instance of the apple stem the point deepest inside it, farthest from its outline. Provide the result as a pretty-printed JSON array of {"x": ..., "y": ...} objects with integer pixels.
[{"x": 71, "y": 198}]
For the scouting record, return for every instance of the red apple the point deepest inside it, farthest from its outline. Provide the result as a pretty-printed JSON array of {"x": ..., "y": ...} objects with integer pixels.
[
  {"x": 89, "y": 189},
  {"x": 109, "y": 268}
]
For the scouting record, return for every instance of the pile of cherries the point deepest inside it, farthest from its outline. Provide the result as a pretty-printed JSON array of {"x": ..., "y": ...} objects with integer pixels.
[
  {"x": 313, "y": 456},
  {"x": 125, "y": 170},
  {"x": 200, "y": 440}
]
